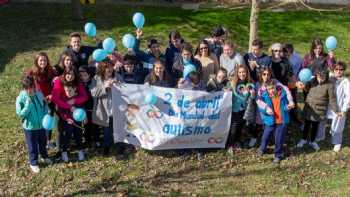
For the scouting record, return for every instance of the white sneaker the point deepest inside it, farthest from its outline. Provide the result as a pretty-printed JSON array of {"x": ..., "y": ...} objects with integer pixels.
[
  {"x": 252, "y": 142},
  {"x": 337, "y": 148},
  {"x": 301, "y": 143},
  {"x": 314, "y": 145},
  {"x": 46, "y": 161},
  {"x": 35, "y": 169},
  {"x": 65, "y": 157},
  {"x": 81, "y": 156}
]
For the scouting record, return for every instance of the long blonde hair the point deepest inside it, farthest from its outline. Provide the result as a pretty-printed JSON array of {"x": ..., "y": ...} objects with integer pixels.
[{"x": 234, "y": 79}]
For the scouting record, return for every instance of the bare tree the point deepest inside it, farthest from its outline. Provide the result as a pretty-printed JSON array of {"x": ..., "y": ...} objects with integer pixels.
[
  {"x": 254, "y": 16},
  {"x": 77, "y": 12}
]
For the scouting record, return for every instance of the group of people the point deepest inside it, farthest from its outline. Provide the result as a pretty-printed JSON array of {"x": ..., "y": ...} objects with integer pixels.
[{"x": 265, "y": 91}]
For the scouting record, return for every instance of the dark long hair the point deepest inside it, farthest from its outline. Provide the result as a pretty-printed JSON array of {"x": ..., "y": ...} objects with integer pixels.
[
  {"x": 316, "y": 42},
  {"x": 198, "y": 52}
]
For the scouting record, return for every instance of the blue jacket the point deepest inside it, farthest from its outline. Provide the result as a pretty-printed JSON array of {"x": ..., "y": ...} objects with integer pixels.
[
  {"x": 270, "y": 119},
  {"x": 31, "y": 109}
]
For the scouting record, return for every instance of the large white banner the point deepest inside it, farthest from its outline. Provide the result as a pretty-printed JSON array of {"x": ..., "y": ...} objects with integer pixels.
[{"x": 179, "y": 118}]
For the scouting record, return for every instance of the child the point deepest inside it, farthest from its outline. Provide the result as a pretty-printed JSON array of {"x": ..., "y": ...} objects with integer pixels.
[
  {"x": 132, "y": 72},
  {"x": 65, "y": 62},
  {"x": 185, "y": 58},
  {"x": 31, "y": 108},
  {"x": 219, "y": 82},
  {"x": 275, "y": 117},
  {"x": 159, "y": 76},
  {"x": 68, "y": 93},
  {"x": 102, "y": 98},
  {"x": 192, "y": 82},
  {"x": 342, "y": 92},
  {"x": 320, "y": 95},
  {"x": 91, "y": 130},
  {"x": 242, "y": 92},
  {"x": 43, "y": 75}
]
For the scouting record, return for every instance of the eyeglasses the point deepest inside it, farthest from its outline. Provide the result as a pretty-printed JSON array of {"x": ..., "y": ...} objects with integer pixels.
[
  {"x": 339, "y": 69},
  {"x": 203, "y": 48}
]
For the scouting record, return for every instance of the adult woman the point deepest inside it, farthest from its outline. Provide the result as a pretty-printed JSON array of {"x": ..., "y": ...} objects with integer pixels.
[
  {"x": 281, "y": 68},
  {"x": 210, "y": 64}
]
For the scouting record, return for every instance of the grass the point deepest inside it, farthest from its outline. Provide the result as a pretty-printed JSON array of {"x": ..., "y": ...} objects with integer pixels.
[{"x": 26, "y": 29}]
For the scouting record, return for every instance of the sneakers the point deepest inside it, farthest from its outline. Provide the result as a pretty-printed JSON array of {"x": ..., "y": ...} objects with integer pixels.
[
  {"x": 301, "y": 143},
  {"x": 260, "y": 152},
  {"x": 252, "y": 142},
  {"x": 50, "y": 145},
  {"x": 46, "y": 161},
  {"x": 65, "y": 156},
  {"x": 230, "y": 151},
  {"x": 81, "y": 156},
  {"x": 277, "y": 160},
  {"x": 314, "y": 145},
  {"x": 337, "y": 148},
  {"x": 200, "y": 156},
  {"x": 35, "y": 169}
]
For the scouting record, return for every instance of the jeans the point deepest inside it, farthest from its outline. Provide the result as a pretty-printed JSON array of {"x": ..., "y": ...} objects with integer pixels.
[
  {"x": 67, "y": 131},
  {"x": 36, "y": 142},
  {"x": 279, "y": 132}
]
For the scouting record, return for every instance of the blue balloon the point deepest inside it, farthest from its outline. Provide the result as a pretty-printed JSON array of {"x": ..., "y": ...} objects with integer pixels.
[
  {"x": 109, "y": 45},
  {"x": 188, "y": 68},
  {"x": 139, "y": 20},
  {"x": 79, "y": 114},
  {"x": 99, "y": 55},
  {"x": 90, "y": 29},
  {"x": 151, "y": 99},
  {"x": 128, "y": 41},
  {"x": 305, "y": 75},
  {"x": 331, "y": 43},
  {"x": 48, "y": 122}
]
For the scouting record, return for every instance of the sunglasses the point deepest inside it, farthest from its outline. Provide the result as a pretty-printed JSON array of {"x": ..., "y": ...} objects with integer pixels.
[
  {"x": 339, "y": 69},
  {"x": 277, "y": 51}
]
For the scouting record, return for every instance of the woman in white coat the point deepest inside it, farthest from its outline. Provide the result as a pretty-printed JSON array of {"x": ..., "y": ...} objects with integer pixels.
[{"x": 342, "y": 91}]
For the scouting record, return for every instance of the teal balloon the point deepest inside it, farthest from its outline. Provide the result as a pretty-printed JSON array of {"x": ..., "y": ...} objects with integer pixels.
[
  {"x": 48, "y": 122},
  {"x": 90, "y": 29},
  {"x": 128, "y": 41},
  {"x": 139, "y": 20},
  {"x": 305, "y": 75},
  {"x": 79, "y": 114},
  {"x": 331, "y": 43},
  {"x": 151, "y": 99},
  {"x": 188, "y": 68},
  {"x": 109, "y": 45},
  {"x": 99, "y": 55}
]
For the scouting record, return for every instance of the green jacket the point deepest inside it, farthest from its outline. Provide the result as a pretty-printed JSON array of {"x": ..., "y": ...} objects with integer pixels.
[{"x": 31, "y": 109}]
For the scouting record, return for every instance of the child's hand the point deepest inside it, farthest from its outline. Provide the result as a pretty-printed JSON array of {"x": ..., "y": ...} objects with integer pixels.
[
  {"x": 300, "y": 85},
  {"x": 138, "y": 33},
  {"x": 181, "y": 81},
  {"x": 48, "y": 98},
  {"x": 85, "y": 121},
  {"x": 72, "y": 109},
  {"x": 71, "y": 101},
  {"x": 252, "y": 92},
  {"x": 341, "y": 114},
  {"x": 252, "y": 64},
  {"x": 70, "y": 121},
  {"x": 290, "y": 106},
  {"x": 269, "y": 111},
  {"x": 331, "y": 54}
]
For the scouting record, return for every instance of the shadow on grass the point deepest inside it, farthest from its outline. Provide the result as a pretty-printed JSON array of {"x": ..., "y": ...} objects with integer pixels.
[{"x": 39, "y": 26}]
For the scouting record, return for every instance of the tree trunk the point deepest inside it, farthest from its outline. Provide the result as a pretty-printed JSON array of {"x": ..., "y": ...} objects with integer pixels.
[
  {"x": 76, "y": 10},
  {"x": 254, "y": 16}
]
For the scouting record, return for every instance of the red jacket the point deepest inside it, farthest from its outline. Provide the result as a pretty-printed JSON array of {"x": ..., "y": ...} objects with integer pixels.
[
  {"x": 60, "y": 98},
  {"x": 43, "y": 81}
]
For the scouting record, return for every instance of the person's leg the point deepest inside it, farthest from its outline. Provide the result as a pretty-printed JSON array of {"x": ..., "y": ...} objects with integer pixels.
[
  {"x": 66, "y": 134},
  {"x": 265, "y": 137},
  {"x": 77, "y": 135},
  {"x": 306, "y": 129},
  {"x": 30, "y": 137},
  {"x": 314, "y": 129},
  {"x": 321, "y": 131},
  {"x": 280, "y": 133},
  {"x": 42, "y": 140}
]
